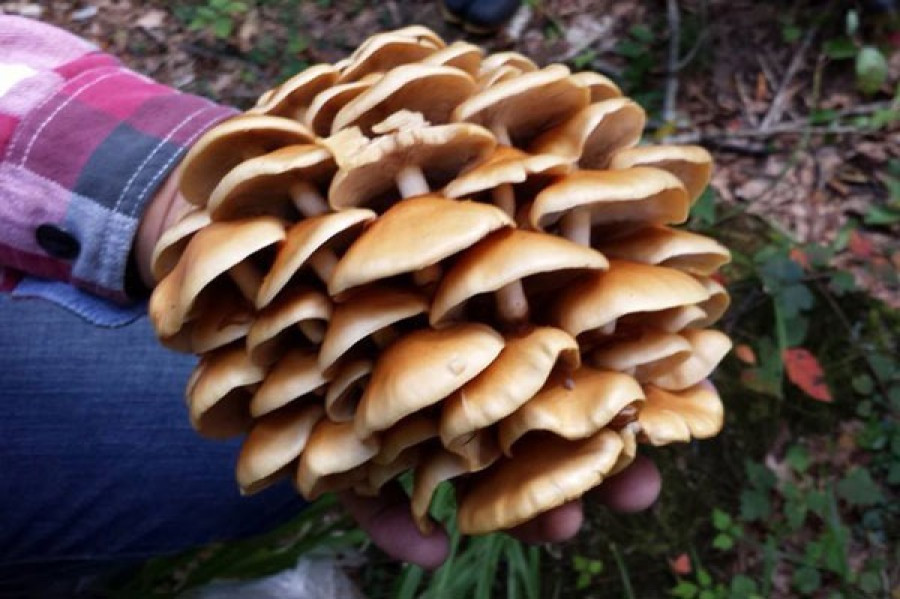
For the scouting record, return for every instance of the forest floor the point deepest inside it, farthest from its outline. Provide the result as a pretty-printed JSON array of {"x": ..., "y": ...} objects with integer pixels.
[{"x": 806, "y": 191}]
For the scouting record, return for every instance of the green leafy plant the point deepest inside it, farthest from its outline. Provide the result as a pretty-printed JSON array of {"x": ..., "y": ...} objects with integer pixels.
[{"x": 217, "y": 16}]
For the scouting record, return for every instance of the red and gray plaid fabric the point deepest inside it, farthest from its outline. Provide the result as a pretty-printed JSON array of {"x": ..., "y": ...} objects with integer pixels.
[{"x": 84, "y": 144}]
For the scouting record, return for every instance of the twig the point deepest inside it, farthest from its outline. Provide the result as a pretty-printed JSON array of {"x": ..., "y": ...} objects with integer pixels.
[
  {"x": 776, "y": 109},
  {"x": 745, "y": 102},
  {"x": 785, "y": 129},
  {"x": 671, "y": 96}
]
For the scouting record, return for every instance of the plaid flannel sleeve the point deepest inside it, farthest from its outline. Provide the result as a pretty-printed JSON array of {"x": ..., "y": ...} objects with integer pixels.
[{"x": 84, "y": 144}]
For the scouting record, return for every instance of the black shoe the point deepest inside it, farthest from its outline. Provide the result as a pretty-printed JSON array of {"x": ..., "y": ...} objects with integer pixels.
[{"x": 479, "y": 16}]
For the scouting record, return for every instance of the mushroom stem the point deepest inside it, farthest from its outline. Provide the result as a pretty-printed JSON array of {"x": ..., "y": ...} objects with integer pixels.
[
  {"x": 323, "y": 263},
  {"x": 502, "y": 135},
  {"x": 307, "y": 199},
  {"x": 385, "y": 336},
  {"x": 427, "y": 275},
  {"x": 247, "y": 278},
  {"x": 314, "y": 330},
  {"x": 576, "y": 226},
  {"x": 512, "y": 303},
  {"x": 505, "y": 199},
  {"x": 411, "y": 181}
]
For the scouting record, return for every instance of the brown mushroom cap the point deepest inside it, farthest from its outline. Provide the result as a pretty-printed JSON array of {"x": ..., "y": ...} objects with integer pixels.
[
  {"x": 216, "y": 398},
  {"x": 670, "y": 320},
  {"x": 505, "y": 166},
  {"x": 211, "y": 252},
  {"x": 675, "y": 248},
  {"x": 431, "y": 90},
  {"x": 303, "y": 240},
  {"x": 172, "y": 242},
  {"x": 224, "y": 147},
  {"x": 422, "y": 368},
  {"x": 274, "y": 442},
  {"x": 513, "y": 378},
  {"x": 369, "y": 169},
  {"x": 679, "y": 416},
  {"x": 648, "y": 355},
  {"x": 709, "y": 347},
  {"x": 226, "y": 319},
  {"x": 542, "y": 476},
  {"x": 346, "y": 388},
  {"x": 462, "y": 55},
  {"x": 518, "y": 109},
  {"x": 265, "y": 337},
  {"x": 572, "y": 406},
  {"x": 600, "y": 87},
  {"x": 599, "y": 299},
  {"x": 414, "y": 233},
  {"x": 591, "y": 136},
  {"x": 367, "y": 312},
  {"x": 717, "y": 304},
  {"x": 325, "y": 106},
  {"x": 498, "y": 60},
  {"x": 291, "y": 98},
  {"x": 383, "y": 52},
  {"x": 437, "y": 468},
  {"x": 380, "y": 474},
  {"x": 295, "y": 375},
  {"x": 332, "y": 449},
  {"x": 262, "y": 185},
  {"x": 503, "y": 258},
  {"x": 409, "y": 432},
  {"x": 691, "y": 164},
  {"x": 641, "y": 195},
  {"x": 496, "y": 76}
]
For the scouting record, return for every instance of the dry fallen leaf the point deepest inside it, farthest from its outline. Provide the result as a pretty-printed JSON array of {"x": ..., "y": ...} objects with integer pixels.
[
  {"x": 804, "y": 370},
  {"x": 745, "y": 354},
  {"x": 681, "y": 565}
]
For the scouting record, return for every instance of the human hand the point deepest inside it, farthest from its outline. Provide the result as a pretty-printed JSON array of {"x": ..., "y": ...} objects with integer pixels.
[{"x": 388, "y": 521}]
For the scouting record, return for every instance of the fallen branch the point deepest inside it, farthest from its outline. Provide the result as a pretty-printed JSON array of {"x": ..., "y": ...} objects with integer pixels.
[
  {"x": 671, "y": 96},
  {"x": 776, "y": 109}
]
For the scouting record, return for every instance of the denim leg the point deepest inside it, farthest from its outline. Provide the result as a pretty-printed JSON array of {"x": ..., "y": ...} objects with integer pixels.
[{"x": 97, "y": 459}]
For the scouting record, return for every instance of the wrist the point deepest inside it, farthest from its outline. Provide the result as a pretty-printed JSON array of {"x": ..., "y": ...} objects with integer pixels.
[{"x": 165, "y": 209}]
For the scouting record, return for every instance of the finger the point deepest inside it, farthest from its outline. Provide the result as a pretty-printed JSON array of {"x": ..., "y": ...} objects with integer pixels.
[
  {"x": 634, "y": 489},
  {"x": 388, "y": 521},
  {"x": 559, "y": 524}
]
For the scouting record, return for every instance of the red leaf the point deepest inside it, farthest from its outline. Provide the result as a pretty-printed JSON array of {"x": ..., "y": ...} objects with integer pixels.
[
  {"x": 745, "y": 353},
  {"x": 804, "y": 370},
  {"x": 860, "y": 245},
  {"x": 800, "y": 257},
  {"x": 681, "y": 565}
]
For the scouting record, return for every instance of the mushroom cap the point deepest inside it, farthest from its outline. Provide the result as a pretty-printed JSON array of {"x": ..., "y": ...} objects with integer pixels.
[
  {"x": 262, "y": 185},
  {"x": 216, "y": 399},
  {"x": 517, "y": 374},
  {"x": 302, "y": 241},
  {"x": 431, "y": 90},
  {"x": 381, "y": 53},
  {"x": 369, "y": 169},
  {"x": 496, "y": 76},
  {"x": 295, "y": 375},
  {"x": 505, "y": 166},
  {"x": 626, "y": 288},
  {"x": 591, "y": 136},
  {"x": 525, "y": 105},
  {"x": 600, "y": 86},
  {"x": 671, "y": 320},
  {"x": 274, "y": 442},
  {"x": 414, "y": 233},
  {"x": 381, "y": 474},
  {"x": 172, "y": 242},
  {"x": 641, "y": 194},
  {"x": 224, "y": 320},
  {"x": 717, "y": 304},
  {"x": 691, "y": 164},
  {"x": 225, "y": 146},
  {"x": 648, "y": 355},
  {"x": 542, "y": 476},
  {"x": 345, "y": 389},
  {"x": 212, "y": 251},
  {"x": 332, "y": 448},
  {"x": 496, "y": 60},
  {"x": 675, "y": 248},
  {"x": 572, "y": 406},
  {"x": 290, "y": 308},
  {"x": 325, "y": 106},
  {"x": 505, "y": 257},
  {"x": 462, "y": 55},
  {"x": 437, "y": 468},
  {"x": 422, "y": 368},
  {"x": 409, "y": 432},
  {"x": 708, "y": 348},
  {"x": 367, "y": 312},
  {"x": 291, "y": 98},
  {"x": 679, "y": 416}
]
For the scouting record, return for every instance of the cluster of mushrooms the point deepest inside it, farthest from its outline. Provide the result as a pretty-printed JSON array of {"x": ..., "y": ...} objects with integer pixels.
[{"x": 424, "y": 258}]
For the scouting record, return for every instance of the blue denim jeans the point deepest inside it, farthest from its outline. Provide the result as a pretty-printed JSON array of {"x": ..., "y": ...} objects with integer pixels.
[{"x": 98, "y": 464}]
